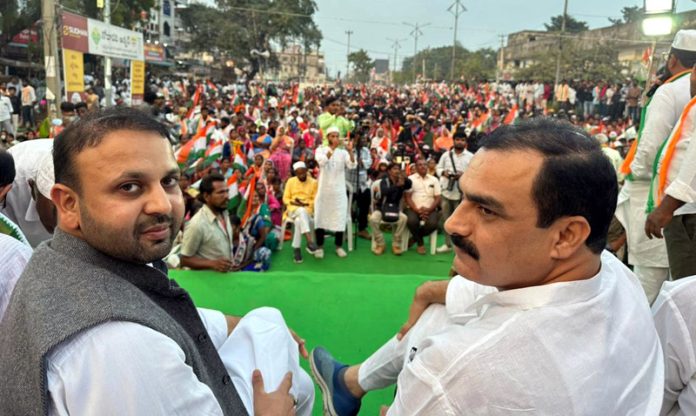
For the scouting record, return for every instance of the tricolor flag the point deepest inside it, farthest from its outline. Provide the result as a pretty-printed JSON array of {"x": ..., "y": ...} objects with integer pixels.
[
  {"x": 211, "y": 86},
  {"x": 191, "y": 151},
  {"x": 233, "y": 192},
  {"x": 512, "y": 115},
  {"x": 239, "y": 161},
  {"x": 244, "y": 208}
]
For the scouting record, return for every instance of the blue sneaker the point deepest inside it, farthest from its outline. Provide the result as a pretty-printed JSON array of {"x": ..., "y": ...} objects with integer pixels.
[{"x": 328, "y": 373}]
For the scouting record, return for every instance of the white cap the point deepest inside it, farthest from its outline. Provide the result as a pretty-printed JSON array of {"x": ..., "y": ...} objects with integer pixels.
[
  {"x": 333, "y": 130},
  {"x": 685, "y": 40},
  {"x": 299, "y": 165},
  {"x": 601, "y": 138},
  {"x": 45, "y": 176}
]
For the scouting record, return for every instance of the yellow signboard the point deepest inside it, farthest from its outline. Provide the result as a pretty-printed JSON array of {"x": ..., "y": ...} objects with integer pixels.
[
  {"x": 74, "y": 71},
  {"x": 137, "y": 81}
]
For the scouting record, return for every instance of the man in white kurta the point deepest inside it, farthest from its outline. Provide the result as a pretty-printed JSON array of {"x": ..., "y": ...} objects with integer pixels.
[
  {"x": 540, "y": 320},
  {"x": 21, "y": 206},
  {"x": 674, "y": 192},
  {"x": 331, "y": 204},
  {"x": 649, "y": 257},
  {"x": 674, "y": 312}
]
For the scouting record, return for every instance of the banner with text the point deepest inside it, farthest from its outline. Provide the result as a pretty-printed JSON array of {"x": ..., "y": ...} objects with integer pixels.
[
  {"x": 73, "y": 65},
  {"x": 114, "y": 41},
  {"x": 137, "y": 82},
  {"x": 74, "y": 34}
]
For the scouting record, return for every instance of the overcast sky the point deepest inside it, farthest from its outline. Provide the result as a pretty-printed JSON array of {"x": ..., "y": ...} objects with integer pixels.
[{"x": 373, "y": 21}]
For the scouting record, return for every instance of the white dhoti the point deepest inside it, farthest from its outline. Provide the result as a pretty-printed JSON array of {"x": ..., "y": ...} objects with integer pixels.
[
  {"x": 302, "y": 224},
  {"x": 262, "y": 341},
  {"x": 649, "y": 257}
]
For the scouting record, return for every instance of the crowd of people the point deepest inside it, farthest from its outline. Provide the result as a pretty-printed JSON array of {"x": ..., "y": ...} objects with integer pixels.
[{"x": 544, "y": 214}]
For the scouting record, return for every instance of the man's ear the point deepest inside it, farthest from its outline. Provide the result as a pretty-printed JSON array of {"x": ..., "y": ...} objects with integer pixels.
[
  {"x": 4, "y": 190},
  {"x": 67, "y": 205},
  {"x": 571, "y": 235}
]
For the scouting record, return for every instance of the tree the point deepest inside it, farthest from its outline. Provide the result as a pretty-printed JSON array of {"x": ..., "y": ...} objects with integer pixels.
[
  {"x": 236, "y": 27},
  {"x": 599, "y": 62},
  {"x": 629, "y": 15},
  {"x": 470, "y": 65},
  {"x": 362, "y": 65},
  {"x": 572, "y": 25}
]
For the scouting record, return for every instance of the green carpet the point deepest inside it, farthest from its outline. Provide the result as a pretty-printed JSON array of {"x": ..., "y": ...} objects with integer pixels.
[{"x": 350, "y": 306}]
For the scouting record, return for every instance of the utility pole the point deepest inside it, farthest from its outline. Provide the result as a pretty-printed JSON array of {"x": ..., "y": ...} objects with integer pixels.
[
  {"x": 107, "y": 59},
  {"x": 560, "y": 45},
  {"x": 416, "y": 32},
  {"x": 456, "y": 9},
  {"x": 348, "y": 32},
  {"x": 51, "y": 61},
  {"x": 501, "y": 60},
  {"x": 396, "y": 44}
]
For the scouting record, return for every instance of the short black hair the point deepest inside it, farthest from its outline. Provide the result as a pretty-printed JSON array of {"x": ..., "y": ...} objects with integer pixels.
[
  {"x": 576, "y": 178},
  {"x": 206, "y": 186},
  {"x": 89, "y": 131},
  {"x": 687, "y": 58},
  {"x": 81, "y": 104},
  {"x": 459, "y": 134},
  {"x": 7, "y": 168},
  {"x": 67, "y": 106}
]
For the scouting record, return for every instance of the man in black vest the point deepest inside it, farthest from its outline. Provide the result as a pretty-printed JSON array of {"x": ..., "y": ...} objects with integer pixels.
[{"x": 94, "y": 325}]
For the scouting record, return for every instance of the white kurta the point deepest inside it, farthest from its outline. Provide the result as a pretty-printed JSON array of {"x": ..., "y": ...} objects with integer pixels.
[
  {"x": 14, "y": 256},
  {"x": 331, "y": 203},
  {"x": 21, "y": 208},
  {"x": 662, "y": 114},
  {"x": 674, "y": 311},
  {"x": 124, "y": 368},
  {"x": 585, "y": 347}
]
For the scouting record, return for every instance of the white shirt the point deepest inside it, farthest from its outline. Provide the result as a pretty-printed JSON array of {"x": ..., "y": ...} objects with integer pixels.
[
  {"x": 21, "y": 208},
  {"x": 461, "y": 162},
  {"x": 14, "y": 256},
  {"x": 585, "y": 347},
  {"x": 674, "y": 311},
  {"x": 662, "y": 114},
  {"x": 127, "y": 368},
  {"x": 5, "y": 107},
  {"x": 424, "y": 190},
  {"x": 681, "y": 176}
]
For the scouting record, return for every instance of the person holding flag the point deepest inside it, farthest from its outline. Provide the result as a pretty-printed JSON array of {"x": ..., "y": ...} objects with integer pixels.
[{"x": 333, "y": 117}]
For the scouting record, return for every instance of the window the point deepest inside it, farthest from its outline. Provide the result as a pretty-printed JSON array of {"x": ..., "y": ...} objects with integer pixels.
[{"x": 166, "y": 29}]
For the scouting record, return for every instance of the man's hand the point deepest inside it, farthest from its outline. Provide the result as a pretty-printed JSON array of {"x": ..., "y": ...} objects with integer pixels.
[
  {"x": 277, "y": 403},
  {"x": 662, "y": 215},
  {"x": 349, "y": 146},
  {"x": 222, "y": 265},
  {"x": 426, "y": 294},
  {"x": 383, "y": 410},
  {"x": 300, "y": 344}
]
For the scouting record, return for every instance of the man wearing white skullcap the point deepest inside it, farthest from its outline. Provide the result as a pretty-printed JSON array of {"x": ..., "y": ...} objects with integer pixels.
[
  {"x": 29, "y": 202},
  {"x": 298, "y": 198},
  {"x": 660, "y": 115}
]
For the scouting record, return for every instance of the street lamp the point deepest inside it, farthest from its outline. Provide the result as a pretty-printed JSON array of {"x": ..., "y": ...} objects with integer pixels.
[{"x": 658, "y": 20}]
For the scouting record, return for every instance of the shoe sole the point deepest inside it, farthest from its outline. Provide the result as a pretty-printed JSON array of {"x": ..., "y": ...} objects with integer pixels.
[{"x": 325, "y": 392}]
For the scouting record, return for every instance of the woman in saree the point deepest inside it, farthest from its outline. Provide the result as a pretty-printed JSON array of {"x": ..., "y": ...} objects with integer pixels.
[{"x": 281, "y": 153}]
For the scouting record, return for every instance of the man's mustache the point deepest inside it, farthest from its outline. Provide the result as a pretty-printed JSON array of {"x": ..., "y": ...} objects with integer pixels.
[{"x": 465, "y": 245}]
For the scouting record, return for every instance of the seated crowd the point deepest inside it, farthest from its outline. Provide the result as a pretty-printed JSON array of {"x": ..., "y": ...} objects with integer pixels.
[{"x": 552, "y": 321}]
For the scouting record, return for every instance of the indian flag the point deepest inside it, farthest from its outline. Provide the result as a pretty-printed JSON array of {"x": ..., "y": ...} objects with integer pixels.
[
  {"x": 512, "y": 115},
  {"x": 191, "y": 151},
  {"x": 239, "y": 161},
  {"x": 244, "y": 208},
  {"x": 211, "y": 86},
  {"x": 213, "y": 152},
  {"x": 233, "y": 192}
]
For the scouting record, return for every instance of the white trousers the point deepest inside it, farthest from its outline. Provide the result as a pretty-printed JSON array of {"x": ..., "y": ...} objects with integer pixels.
[
  {"x": 651, "y": 278},
  {"x": 302, "y": 224},
  {"x": 262, "y": 341},
  {"x": 382, "y": 368}
]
